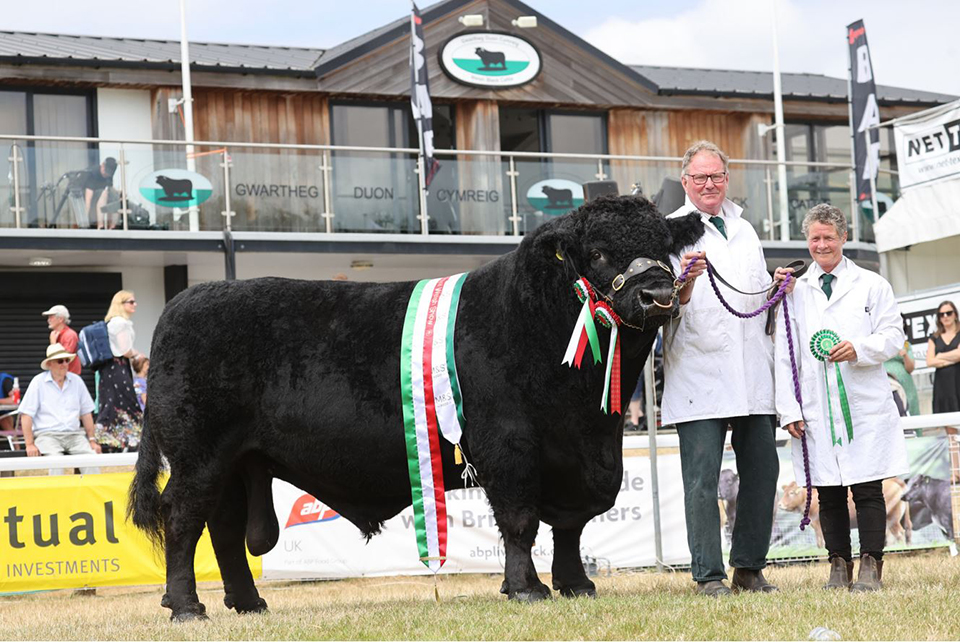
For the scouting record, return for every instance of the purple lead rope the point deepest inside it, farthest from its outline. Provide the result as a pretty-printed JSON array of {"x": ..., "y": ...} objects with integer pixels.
[{"x": 780, "y": 295}]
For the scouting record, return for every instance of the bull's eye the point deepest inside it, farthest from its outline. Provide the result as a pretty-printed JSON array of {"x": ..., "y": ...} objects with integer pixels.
[{"x": 596, "y": 255}]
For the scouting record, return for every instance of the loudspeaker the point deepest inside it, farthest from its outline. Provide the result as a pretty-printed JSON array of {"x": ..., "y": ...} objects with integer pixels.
[{"x": 594, "y": 189}]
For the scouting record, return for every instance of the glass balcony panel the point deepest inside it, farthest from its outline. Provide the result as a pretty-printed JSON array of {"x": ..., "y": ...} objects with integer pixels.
[
  {"x": 275, "y": 190},
  {"x": 375, "y": 192},
  {"x": 470, "y": 195},
  {"x": 754, "y": 188},
  {"x": 13, "y": 150},
  {"x": 551, "y": 187}
]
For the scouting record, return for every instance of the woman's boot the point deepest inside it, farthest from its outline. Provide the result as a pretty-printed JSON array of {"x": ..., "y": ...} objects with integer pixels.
[
  {"x": 841, "y": 574},
  {"x": 869, "y": 577}
]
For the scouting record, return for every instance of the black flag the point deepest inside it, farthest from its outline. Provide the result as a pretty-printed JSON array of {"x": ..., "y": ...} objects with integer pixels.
[
  {"x": 420, "y": 96},
  {"x": 865, "y": 113}
]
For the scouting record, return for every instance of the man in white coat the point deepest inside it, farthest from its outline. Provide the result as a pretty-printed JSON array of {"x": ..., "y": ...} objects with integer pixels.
[
  {"x": 718, "y": 371},
  {"x": 845, "y": 325}
]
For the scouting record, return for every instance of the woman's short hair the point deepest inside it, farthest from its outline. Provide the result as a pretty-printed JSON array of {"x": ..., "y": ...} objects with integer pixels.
[
  {"x": 828, "y": 215},
  {"x": 116, "y": 305},
  {"x": 702, "y": 146},
  {"x": 940, "y": 328}
]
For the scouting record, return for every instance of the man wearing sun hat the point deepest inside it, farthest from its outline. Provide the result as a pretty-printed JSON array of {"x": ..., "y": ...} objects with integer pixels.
[{"x": 54, "y": 407}]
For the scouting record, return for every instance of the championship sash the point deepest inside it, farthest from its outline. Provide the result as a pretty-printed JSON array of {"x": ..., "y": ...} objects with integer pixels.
[{"x": 432, "y": 405}]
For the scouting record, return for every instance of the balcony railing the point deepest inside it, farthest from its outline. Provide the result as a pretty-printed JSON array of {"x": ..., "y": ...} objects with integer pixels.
[{"x": 333, "y": 189}]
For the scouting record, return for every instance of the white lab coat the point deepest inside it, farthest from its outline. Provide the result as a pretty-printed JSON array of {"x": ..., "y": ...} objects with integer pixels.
[
  {"x": 863, "y": 311},
  {"x": 715, "y": 364}
]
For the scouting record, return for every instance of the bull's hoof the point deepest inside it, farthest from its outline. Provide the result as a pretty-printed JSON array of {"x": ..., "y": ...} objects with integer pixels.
[
  {"x": 578, "y": 591},
  {"x": 165, "y": 602},
  {"x": 188, "y": 616},
  {"x": 505, "y": 588},
  {"x": 527, "y": 596},
  {"x": 258, "y": 605}
]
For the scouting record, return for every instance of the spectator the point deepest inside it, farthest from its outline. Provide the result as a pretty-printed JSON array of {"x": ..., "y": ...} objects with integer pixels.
[
  {"x": 638, "y": 420},
  {"x": 58, "y": 320},
  {"x": 849, "y": 418},
  {"x": 943, "y": 353},
  {"x": 96, "y": 184},
  {"x": 6, "y": 399},
  {"x": 54, "y": 407},
  {"x": 119, "y": 419},
  {"x": 718, "y": 370},
  {"x": 900, "y": 368},
  {"x": 141, "y": 365}
]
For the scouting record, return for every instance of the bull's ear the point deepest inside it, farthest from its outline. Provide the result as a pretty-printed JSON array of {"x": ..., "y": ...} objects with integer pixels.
[
  {"x": 557, "y": 238},
  {"x": 684, "y": 231}
]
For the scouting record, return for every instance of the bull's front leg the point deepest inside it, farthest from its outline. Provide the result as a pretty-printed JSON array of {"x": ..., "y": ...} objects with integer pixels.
[
  {"x": 519, "y": 530},
  {"x": 569, "y": 576}
]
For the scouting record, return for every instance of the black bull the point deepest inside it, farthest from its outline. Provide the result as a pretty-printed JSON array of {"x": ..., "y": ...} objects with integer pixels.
[{"x": 300, "y": 380}]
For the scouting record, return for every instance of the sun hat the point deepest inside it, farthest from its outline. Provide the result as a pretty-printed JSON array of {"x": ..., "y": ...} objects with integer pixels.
[
  {"x": 56, "y": 351},
  {"x": 58, "y": 310}
]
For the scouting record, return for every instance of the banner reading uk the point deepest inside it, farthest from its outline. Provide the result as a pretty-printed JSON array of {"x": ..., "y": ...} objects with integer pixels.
[{"x": 72, "y": 532}]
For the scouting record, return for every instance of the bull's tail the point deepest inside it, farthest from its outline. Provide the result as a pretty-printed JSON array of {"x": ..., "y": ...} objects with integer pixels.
[{"x": 144, "y": 505}]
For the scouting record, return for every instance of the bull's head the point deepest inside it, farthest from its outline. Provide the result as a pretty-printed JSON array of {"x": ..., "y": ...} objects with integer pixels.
[{"x": 621, "y": 245}]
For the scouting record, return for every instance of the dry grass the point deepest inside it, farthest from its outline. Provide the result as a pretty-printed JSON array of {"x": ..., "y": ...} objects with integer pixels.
[{"x": 921, "y": 600}]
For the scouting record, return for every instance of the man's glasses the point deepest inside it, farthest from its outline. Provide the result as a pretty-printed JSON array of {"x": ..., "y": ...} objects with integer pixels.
[
  {"x": 701, "y": 179},
  {"x": 948, "y": 313},
  {"x": 130, "y": 301},
  {"x": 62, "y": 361}
]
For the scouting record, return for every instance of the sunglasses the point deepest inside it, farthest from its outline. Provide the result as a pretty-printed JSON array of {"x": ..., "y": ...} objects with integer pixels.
[
  {"x": 61, "y": 361},
  {"x": 130, "y": 301},
  {"x": 948, "y": 313}
]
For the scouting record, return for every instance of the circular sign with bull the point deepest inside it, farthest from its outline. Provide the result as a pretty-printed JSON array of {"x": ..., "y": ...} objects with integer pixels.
[
  {"x": 555, "y": 196},
  {"x": 490, "y": 59},
  {"x": 176, "y": 188}
]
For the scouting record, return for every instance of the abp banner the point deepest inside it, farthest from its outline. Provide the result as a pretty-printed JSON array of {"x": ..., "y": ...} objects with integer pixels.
[{"x": 71, "y": 531}]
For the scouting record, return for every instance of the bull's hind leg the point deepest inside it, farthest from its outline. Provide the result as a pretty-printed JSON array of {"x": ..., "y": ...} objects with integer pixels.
[
  {"x": 519, "y": 530},
  {"x": 228, "y": 525},
  {"x": 185, "y": 510},
  {"x": 569, "y": 576}
]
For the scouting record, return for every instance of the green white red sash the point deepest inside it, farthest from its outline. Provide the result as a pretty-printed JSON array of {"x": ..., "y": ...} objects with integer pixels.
[
  {"x": 432, "y": 405},
  {"x": 585, "y": 332}
]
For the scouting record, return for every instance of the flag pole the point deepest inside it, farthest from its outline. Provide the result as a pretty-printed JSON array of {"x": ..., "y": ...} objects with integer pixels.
[
  {"x": 854, "y": 197},
  {"x": 188, "y": 108},
  {"x": 781, "y": 134}
]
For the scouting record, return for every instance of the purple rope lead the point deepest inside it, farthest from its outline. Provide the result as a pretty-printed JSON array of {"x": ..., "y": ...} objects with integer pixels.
[{"x": 780, "y": 295}]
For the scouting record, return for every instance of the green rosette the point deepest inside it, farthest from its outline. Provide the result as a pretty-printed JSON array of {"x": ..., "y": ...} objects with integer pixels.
[{"x": 820, "y": 345}]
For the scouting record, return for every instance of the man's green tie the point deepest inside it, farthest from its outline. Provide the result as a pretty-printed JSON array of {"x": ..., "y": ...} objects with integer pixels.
[
  {"x": 826, "y": 287},
  {"x": 718, "y": 223}
]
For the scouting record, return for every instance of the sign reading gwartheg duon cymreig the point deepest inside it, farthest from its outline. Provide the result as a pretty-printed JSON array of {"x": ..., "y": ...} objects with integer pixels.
[{"x": 490, "y": 59}]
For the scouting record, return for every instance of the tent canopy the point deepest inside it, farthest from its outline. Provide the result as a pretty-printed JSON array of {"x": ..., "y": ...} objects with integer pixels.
[{"x": 924, "y": 213}]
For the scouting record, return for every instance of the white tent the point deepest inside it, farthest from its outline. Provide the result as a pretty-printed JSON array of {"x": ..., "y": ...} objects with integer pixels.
[{"x": 924, "y": 213}]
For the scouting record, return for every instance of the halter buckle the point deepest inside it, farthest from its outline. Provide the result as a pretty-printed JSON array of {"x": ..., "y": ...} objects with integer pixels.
[{"x": 618, "y": 282}]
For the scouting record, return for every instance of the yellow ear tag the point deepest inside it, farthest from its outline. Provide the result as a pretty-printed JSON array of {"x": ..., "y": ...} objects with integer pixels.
[
  {"x": 457, "y": 457},
  {"x": 559, "y": 256}
]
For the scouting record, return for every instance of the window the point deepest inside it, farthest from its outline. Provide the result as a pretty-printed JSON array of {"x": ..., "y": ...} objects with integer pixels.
[{"x": 41, "y": 112}]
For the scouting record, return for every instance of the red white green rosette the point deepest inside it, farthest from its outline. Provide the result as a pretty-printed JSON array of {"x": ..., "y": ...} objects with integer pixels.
[{"x": 585, "y": 333}]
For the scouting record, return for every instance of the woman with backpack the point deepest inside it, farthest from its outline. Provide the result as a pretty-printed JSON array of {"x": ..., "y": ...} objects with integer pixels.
[{"x": 119, "y": 420}]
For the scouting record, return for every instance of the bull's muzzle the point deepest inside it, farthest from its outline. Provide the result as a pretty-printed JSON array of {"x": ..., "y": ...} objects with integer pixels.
[{"x": 656, "y": 301}]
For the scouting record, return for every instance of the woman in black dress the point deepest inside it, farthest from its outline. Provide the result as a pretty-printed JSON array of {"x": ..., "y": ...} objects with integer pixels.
[
  {"x": 119, "y": 420},
  {"x": 943, "y": 353}
]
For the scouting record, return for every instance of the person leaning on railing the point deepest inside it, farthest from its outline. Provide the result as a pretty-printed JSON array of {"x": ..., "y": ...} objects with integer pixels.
[{"x": 54, "y": 407}]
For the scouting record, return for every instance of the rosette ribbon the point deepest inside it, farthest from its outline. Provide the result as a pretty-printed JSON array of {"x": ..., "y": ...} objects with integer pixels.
[
  {"x": 585, "y": 333},
  {"x": 820, "y": 345}
]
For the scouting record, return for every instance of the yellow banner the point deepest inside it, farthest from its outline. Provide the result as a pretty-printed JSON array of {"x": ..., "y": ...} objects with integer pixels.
[{"x": 71, "y": 531}]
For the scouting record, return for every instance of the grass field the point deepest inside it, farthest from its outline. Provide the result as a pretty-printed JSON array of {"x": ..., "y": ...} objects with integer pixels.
[{"x": 920, "y": 601}]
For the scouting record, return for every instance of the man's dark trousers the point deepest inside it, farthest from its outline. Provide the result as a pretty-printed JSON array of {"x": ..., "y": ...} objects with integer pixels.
[{"x": 701, "y": 455}]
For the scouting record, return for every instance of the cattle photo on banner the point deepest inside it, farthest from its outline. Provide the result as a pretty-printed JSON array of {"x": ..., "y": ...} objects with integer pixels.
[
  {"x": 420, "y": 97},
  {"x": 864, "y": 112}
]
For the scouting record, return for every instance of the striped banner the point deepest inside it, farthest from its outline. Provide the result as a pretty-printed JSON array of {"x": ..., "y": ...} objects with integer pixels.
[{"x": 432, "y": 405}]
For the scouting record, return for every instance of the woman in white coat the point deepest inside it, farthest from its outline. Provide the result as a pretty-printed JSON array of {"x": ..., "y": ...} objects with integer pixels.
[{"x": 845, "y": 325}]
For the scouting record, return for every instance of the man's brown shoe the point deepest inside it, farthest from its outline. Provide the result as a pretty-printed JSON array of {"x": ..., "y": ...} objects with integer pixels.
[
  {"x": 841, "y": 574},
  {"x": 713, "y": 588},
  {"x": 753, "y": 581},
  {"x": 868, "y": 579}
]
